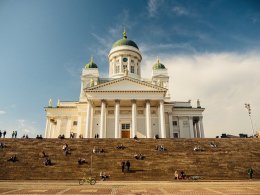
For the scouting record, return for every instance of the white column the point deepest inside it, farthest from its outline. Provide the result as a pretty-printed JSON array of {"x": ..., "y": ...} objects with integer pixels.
[
  {"x": 102, "y": 119},
  {"x": 117, "y": 112},
  {"x": 191, "y": 127},
  {"x": 81, "y": 89},
  {"x": 88, "y": 119},
  {"x": 194, "y": 130},
  {"x": 134, "y": 123},
  {"x": 68, "y": 128},
  {"x": 129, "y": 65},
  {"x": 197, "y": 130},
  {"x": 162, "y": 119},
  {"x": 170, "y": 125},
  {"x": 50, "y": 130},
  {"x": 148, "y": 119},
  {"x": 58, "y": 128},
  {"x": 91, "y": 123},
  {"x": 79, "y": 125},
  {"x": 46, "y": 128},
  {"x": 201, "y": 128}
]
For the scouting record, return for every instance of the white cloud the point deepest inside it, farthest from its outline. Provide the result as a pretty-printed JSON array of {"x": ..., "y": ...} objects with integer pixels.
[
  {"x": 21, "y": 122},
  {"x": 2, "y": 112},
  {"x": 222, "y": 81},
  {"x": 184, "y": 46},
  {"x": 26, "y": 128},
  {"x": 180, "y": 11},
  {"x": 153, "y": 6}
]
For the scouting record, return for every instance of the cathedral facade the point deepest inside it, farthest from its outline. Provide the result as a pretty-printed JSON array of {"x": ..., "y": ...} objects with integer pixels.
[{"x": 125, "y": 104}]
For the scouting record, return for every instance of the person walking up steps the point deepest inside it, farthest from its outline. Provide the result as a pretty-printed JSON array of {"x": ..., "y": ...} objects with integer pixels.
[
  {"x": 128, "y": 165},
  {"x": 250, "y": 172},
  {"x": 123, "y": 166}
]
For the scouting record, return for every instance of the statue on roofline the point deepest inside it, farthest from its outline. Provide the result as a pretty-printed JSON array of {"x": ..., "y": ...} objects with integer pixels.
[{"x": 50, "y": 103}]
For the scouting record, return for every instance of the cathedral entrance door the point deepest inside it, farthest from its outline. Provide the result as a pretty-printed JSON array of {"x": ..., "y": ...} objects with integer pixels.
[{"x": 125, "y": 130}]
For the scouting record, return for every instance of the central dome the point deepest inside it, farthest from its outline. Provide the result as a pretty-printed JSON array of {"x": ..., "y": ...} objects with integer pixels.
[{"x": 125, "y": 41}]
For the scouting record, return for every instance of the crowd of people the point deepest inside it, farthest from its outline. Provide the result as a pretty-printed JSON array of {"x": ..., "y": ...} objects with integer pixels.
[{"x": 125, "y": 165}]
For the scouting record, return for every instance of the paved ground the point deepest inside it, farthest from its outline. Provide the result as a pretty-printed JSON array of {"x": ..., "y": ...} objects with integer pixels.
[{"x": 133, "y": 188}]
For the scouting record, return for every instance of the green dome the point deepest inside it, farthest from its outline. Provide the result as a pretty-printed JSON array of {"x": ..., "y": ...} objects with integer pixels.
[
  {"x": 91, "y": 64},
  {"x": 125, "y": 41},
  {"x": 158, "y": 65}
]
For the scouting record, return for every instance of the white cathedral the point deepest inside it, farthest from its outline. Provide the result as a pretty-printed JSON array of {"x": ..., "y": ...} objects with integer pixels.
[{"x": 125, "y": 104}]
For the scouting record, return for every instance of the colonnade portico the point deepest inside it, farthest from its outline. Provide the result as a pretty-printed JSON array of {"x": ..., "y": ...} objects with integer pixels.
[{"x": 132, "y": 119}]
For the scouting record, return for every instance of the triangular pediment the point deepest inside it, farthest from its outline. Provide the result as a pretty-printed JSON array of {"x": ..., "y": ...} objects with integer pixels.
[{"x": 126, "y": 84}]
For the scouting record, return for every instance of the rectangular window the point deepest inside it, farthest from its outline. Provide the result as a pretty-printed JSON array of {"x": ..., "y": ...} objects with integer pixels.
[
  {"x": 132, "y": 69},
  {"x": 125, "y": 67},
  {"x": 126, "y": 126},
  {"x": 117, "y": 69},
  {"x": 174, "y": 123},
  {"x": 75, "y": 122}
]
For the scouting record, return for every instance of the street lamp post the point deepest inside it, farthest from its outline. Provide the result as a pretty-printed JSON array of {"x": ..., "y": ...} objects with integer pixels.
[{"x": 247, "y": 106}]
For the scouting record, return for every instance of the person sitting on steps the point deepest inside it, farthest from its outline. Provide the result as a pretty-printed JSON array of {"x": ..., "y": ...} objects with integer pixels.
[
  {"x": 212, "y": 145},
  {"x": 139, "y": 156},
  {"x": 81, "y": 161},
  {"x": 47, "y": 162},
  {"x": 61, "y": 136},
  {"x": 43, "y": 154},
  {"x": 182, "y": 175},
  {"x": 120, "y": 147},
  {"x": 13, "y": 159},
  {"x": 97, "y": 150},
  {"x": 198, "y": 148},
  {"x": 66, "y": 149},
  {"x": 176, "y": 175},
  {"x": 2, "y": 145},
  {"x": 103, "y": 176}
]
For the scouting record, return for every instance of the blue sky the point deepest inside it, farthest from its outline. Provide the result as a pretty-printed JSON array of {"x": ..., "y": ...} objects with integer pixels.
[{"x": 211, "y": 49}]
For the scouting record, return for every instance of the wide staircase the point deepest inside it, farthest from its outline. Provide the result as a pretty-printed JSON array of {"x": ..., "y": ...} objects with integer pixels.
[{"x": 230, "y": 160}]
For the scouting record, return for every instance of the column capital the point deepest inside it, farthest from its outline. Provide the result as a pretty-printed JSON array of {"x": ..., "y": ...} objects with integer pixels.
[
  {"x": 133, "y": 101},
  {"x": 147, "y": 101},
  {"x": 117, "y": 101}
]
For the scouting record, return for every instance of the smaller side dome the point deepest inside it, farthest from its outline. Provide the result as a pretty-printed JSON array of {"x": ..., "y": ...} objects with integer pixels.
[
  {"x": 91, "y": 64},
  {"x": 158, "y": 65}
]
